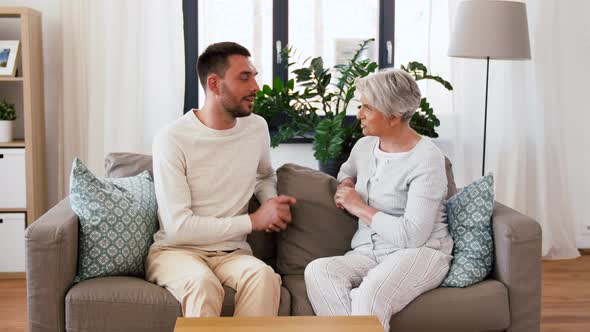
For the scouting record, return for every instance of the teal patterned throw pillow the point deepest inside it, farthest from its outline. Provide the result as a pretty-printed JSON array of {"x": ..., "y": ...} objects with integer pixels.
[
  {"x": 118, "y": 218},
  {"x": 469, "y": 214}
]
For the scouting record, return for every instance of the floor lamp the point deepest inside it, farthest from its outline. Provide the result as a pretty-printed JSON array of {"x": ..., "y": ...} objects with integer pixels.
[{"x": 486, "y": 29}]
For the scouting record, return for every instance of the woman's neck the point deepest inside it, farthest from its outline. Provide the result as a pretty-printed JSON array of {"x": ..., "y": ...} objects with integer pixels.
[{"x": 401, "y": 140}]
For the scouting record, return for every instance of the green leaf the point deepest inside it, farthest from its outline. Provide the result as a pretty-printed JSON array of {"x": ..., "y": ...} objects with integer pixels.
[
  {"x": 440, "y": 80},
  {"x": 278, "y": 84}
]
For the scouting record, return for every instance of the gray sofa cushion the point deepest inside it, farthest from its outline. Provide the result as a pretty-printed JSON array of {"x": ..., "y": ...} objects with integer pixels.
[
  {"x": 300, "y": 305},
  {"x": 120, "y": 304},
  {"x": 133, "y": 304},
  {"x": 481, "y": 307},
  {"x": 319, "y": 228},
  {"x": 123, "y": 164}
]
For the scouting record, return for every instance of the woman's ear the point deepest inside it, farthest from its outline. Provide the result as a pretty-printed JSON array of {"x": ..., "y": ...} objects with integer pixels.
[{"x": 394, "y": 121}]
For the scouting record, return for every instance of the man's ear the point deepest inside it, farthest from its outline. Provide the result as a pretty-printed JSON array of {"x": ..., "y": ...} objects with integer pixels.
[{"x": 213, "y": 83}]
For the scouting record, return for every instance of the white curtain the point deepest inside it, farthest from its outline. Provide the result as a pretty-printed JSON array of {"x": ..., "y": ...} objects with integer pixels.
[
  {"x": 122, "y": 77},
  {"x": 537, "y": 135}
]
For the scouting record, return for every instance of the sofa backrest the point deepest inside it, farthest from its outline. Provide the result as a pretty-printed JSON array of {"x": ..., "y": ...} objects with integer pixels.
[
  {"x": 123, "y": 164},
  {"x": 319, "y": 229}
]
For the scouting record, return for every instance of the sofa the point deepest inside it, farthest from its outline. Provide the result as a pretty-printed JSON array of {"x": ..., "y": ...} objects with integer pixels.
[{"x": 508, "y": 300}]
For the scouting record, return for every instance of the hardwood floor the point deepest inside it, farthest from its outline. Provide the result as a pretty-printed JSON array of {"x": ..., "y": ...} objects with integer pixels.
[
  {"x": 565, "y": 298},
  {"x": 566, "y": 295},
  {"x": 13, "y": 306}
]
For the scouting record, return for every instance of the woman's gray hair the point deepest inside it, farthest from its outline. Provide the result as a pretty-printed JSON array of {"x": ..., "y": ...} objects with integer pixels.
[{"x": 392, "y": 92}]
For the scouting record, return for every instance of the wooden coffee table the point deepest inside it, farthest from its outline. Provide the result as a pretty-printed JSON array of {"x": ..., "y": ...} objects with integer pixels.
[{"x": 282, "y": 324}]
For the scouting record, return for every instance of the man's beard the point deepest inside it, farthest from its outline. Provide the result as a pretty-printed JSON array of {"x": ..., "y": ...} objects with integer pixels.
[{"x": 236, "y": 111}]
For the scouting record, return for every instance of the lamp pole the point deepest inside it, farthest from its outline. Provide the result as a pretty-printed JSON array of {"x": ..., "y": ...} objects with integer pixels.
[{"x": 485, "y": 119}]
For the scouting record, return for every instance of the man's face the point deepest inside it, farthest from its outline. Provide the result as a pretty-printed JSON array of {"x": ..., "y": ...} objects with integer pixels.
[{"x": 238, "y": 87}]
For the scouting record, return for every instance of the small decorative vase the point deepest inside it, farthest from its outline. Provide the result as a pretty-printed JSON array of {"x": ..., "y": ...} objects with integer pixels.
[{"x": 6, "y": 131}]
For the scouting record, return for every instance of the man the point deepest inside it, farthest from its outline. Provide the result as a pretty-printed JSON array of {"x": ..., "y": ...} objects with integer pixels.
[{"x": 207, "y": 165}]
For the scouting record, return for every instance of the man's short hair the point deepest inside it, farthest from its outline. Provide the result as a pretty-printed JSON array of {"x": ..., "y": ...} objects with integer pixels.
[{"x": 214, "y": 59}]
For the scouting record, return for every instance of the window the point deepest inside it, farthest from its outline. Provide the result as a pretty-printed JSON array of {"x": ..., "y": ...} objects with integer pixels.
[
  {"x": 412, "y": 34},
  {"x": 323, "y": 28},
  {"x": 330, "y": 28},
  {"x": 247, "y": 22}
]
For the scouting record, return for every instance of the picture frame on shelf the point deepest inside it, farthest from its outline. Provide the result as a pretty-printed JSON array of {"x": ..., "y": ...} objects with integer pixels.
[{"x": 9, "y": 55}]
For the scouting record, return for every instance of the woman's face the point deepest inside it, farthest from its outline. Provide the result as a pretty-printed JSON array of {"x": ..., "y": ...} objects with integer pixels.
[{"x": 373, "y": 122}]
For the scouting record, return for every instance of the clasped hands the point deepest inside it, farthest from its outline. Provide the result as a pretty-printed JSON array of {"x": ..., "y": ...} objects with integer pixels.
[{"x": 274, "y": 215}]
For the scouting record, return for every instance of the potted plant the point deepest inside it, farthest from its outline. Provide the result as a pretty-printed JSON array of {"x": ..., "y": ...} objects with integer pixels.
[
  {"x": 319, "y": 110},
  {"x": 7, "y": 117}
]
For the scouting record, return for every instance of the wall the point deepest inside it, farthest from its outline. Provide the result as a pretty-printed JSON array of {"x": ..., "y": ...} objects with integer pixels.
[{"x": 301, "y": 154}]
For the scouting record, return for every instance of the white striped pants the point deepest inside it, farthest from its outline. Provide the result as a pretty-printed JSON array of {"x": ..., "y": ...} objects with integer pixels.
[{"x": 363, "y": 283}]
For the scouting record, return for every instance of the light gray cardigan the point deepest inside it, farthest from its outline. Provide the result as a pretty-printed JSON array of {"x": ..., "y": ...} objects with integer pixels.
[{"x": 412, "y": 208}]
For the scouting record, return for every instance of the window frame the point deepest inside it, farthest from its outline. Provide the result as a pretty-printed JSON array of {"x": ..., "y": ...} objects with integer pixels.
[{"x": 190, "y": 15}]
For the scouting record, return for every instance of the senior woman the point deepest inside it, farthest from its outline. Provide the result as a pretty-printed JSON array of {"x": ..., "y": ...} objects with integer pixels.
[{"x": 395, "y": 183}]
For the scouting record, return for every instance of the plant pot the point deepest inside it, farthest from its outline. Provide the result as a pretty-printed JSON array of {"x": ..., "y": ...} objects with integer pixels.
[
  {"x": 332, "y": 166},
  {"x": 6, "y": 130}
]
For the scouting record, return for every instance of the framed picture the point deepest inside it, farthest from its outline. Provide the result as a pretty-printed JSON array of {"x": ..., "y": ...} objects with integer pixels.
[{"x": 9, "y": 50}]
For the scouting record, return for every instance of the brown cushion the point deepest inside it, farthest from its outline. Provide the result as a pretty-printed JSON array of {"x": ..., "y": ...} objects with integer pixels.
[
  {"x": 123, "y": 164},
  {"x": 319, "y": 228}
]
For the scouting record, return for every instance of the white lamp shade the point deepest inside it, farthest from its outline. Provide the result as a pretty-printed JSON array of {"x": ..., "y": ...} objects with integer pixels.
[{"x": 495, "y": 29}]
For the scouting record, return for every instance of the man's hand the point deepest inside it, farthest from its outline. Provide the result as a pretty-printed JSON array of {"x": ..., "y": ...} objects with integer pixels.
[{"x": 273, "y": 215}]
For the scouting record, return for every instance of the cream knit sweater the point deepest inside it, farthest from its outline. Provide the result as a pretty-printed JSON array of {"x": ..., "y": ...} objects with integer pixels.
[{"x": 204, "y": 179}]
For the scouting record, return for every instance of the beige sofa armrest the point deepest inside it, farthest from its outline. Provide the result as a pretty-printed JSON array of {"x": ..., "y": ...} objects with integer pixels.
[
  {"x": 51, "y": 245},
  {"x": 517, "y": 264}
]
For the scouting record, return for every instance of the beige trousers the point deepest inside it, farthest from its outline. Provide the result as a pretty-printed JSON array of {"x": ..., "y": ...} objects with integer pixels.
[{"x": 195, "y": 278}]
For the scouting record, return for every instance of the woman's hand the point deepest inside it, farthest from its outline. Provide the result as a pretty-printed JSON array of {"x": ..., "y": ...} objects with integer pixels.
[
  {"x": 348, "y": 182},
  {"x": 347, "y": 198}
]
